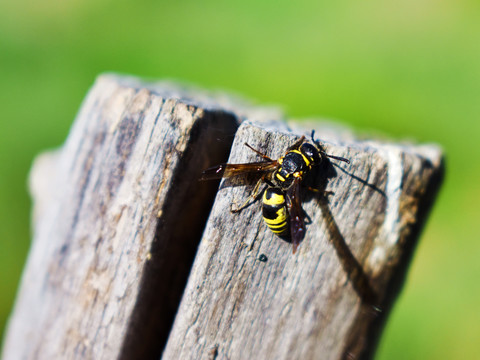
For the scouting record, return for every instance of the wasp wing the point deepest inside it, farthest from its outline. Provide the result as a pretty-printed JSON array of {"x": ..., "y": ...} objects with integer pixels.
[
  {"x": 297, "y": 224},
  {"x": 232, "y": 170}
]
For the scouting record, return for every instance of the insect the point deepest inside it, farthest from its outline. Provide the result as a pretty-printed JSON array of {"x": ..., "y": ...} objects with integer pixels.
[{"x": 281, "y": 201}]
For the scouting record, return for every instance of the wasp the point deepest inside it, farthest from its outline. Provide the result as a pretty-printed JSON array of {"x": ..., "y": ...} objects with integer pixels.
[{"x": 282, "y": 178}]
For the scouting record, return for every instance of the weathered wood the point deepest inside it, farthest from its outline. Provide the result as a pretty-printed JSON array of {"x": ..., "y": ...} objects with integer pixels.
[
  {"x": 119, "y": 213},
  {"x": 329, "y": 300},
  {"x": 118, "y": 216}
]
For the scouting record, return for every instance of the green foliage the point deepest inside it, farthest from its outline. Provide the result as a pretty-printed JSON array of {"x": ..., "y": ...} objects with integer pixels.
[{"x": 410, "y": 69}]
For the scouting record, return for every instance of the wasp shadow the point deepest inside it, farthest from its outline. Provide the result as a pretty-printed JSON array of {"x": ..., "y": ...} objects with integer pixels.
[
  {"x": 364, "y": 182},
  {"x": 359, "y": 279}
]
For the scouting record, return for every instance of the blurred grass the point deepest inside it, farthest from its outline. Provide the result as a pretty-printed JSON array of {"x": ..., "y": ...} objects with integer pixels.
[{"x": 409, "y": 69}]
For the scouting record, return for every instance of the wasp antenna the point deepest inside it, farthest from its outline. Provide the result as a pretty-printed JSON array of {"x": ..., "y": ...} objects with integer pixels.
[
  {"x": 337, "y": 158},
  {"x": 316, "y": 143},
  {"x": 258, "y": 152}
]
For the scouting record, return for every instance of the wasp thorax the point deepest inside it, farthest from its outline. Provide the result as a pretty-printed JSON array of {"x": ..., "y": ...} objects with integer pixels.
[
  {"x": 292, "y": 166},
  {"x": 293, "y": 162}
]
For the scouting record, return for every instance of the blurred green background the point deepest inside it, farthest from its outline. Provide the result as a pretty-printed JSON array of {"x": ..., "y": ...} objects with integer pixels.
[{"x": 409, "y": 69}]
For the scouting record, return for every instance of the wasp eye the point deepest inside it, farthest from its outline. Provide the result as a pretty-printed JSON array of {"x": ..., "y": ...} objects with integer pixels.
[{"x": 310, "y": 152}]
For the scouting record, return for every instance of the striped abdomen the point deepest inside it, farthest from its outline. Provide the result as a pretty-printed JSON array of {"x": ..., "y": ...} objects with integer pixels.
[{"x": 274, "y": 210}]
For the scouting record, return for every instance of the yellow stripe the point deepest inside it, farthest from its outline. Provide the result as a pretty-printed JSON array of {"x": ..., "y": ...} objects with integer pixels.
[
  {"x": 307, "y": 162},
  {"x": 275, "y": 222},
  {"x": 278, "y": 227},
  {"x": 278, "y": 231},
  {"x": 281, "y": 218},
  {"x": 275, "y": 199}
]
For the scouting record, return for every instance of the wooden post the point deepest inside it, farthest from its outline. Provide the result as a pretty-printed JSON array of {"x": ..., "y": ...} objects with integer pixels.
[
  {"x": 118, "y": 216},
  {"x": 329, "y": 300},
  {"x": 119, "y": 213}
]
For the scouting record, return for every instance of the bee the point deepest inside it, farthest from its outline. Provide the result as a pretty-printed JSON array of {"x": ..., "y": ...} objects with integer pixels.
[{"x": 282, "y": 178}]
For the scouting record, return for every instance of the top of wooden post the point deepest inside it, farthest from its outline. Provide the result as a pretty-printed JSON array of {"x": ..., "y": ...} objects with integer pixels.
[{"x": 119, "y": 213}]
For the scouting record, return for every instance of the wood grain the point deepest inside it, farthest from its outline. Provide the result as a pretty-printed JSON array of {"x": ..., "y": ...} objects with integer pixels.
[
  {"x": 117, "y": 219},
  {"x": 329, "y": 300}
]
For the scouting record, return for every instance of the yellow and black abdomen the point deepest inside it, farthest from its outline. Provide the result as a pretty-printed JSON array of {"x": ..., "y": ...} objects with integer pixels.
[{"x": 274, "y": 209}]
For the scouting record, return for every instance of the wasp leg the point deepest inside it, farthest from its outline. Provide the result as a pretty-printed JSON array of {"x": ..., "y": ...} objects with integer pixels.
[
  {"x": 297, "y": 144},
  {"x": 324, "y": 192},
  {"x": 254, "y": 195},
  {"x": 259, "y": 152}
]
